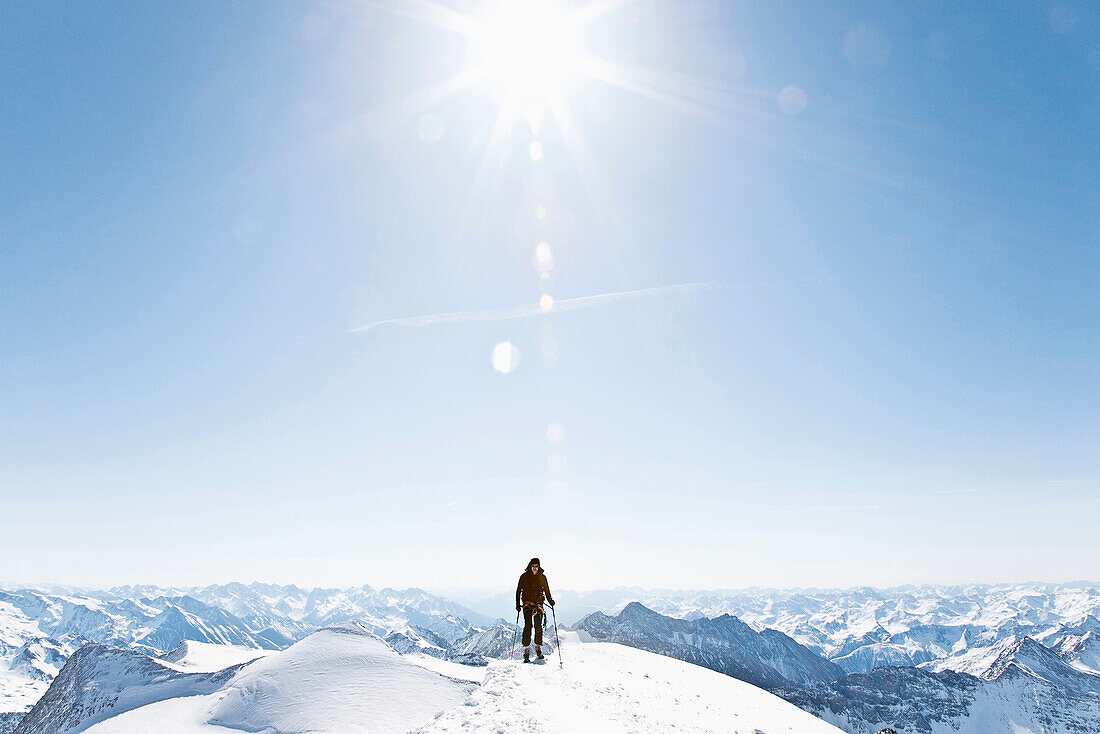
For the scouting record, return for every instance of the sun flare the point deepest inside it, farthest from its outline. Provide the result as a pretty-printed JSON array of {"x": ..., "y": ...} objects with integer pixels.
[
  {"x": 529, "y": 46},
  {"x": 534, "y": 57},
  {"x": 531, "y": 52}
]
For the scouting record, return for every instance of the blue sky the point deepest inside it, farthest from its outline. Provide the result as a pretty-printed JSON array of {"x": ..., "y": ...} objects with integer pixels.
[{"x": 888, "y": 374}]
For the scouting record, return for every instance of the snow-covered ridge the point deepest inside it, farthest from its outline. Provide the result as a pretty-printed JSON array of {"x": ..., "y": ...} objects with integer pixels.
[
  {"x": 862, "y": 628},
  {"x": 40, "y": 628},
  {"x": 202, "y": 657},
  {"x": 1027, "y": 658},
  {"x": 1040, "y": 635},
  {"x": 606, "y": 687},
  {"x": 1078, "y": 643},
  {"x": 724, "y": 644},
  {"x": 100, "y": 681},
  {"x": 340, "y": 679},
  {"x": 1060, "y": 698},
  {"x": 345, "y": 680},
  {"x": 1027, "y": 688}
]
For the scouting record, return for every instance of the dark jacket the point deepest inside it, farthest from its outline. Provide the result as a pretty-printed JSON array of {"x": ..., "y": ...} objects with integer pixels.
[{"x": 533, "y": 589}]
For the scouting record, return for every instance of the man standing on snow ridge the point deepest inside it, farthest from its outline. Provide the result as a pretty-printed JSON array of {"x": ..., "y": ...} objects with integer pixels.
[{"x": 531, "y": 590}]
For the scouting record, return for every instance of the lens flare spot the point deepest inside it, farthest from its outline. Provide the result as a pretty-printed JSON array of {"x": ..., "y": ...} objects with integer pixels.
[
  {"x": 535, "y": 150},
  {"x": 544, "y": 257},
  {"x": 546, "y": 302},
  {"x": 505, "y": 357},
  {"x": 555, "y": 433},
  {"x": 540, "y": 212},
  {"x": 792, "y": 100}
]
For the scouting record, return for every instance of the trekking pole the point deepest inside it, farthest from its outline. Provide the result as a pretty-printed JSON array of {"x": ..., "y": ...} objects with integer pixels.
[
  {"x": 556, "y": 640},
  {"x": 515, "y": 631}
]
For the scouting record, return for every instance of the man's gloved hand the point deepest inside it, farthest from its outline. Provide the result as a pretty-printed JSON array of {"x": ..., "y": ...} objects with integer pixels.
[
  {"x": 551, "y": 602},
  {"x": 519, "y": 608}
]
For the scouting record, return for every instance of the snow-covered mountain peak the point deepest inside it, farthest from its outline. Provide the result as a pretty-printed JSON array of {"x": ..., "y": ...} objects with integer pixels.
[
  {"x": 1088, "y": 623},
  {"x": 343, "y": 680},
  {"x": 1026, "y": 657},
  {"x": 352, "y": 627},
  {"x": 636, "y": 609},
  {"x": 100, "y": 681},
  {"x": 1079, "y": 627},
  {"x": 605, "y": 687},
  {"x": 725, "y": 644},
  {"x": 203, "y": 657}
]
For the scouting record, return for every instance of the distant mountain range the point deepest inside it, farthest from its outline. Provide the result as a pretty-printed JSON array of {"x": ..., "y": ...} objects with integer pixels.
[
  {"x": 925, "y": 659},
  {"x": 40, "y": 629},
  {"x": 860, "y": 629},
  {"x": 1025, "y": 685}
]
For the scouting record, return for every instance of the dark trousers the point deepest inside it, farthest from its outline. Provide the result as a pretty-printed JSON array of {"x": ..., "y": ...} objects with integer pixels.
[{"x": 532, "y": 616}]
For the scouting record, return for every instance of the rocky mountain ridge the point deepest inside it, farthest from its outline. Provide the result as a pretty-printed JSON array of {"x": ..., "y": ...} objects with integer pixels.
[{"x": 1025, "y": 682}]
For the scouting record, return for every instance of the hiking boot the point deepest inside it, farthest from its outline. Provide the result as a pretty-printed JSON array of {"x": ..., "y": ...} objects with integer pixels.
[
  {"x": 526, "y": 655},
  {"x": 538, "y": 652}
]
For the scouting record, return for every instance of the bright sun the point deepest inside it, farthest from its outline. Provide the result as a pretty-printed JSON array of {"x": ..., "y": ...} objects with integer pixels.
[
  {"x": 530, "y": 46},
  {"x": 535, "y": 54}
]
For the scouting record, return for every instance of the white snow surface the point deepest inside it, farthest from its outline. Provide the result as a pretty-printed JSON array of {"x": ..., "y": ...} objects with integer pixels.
[
  {"x": 204, "y": 657},
  {"x": 458, "y": 671},
  {"x": 183, "y": 715},
  {"x": 55, "y": 622},
  {"x": 340, "y": 680},
  {"x": 347, "y": 681},
  {"x": 609, "y": 688},
  {"x": 18, "y": 692},
  {"x": 974, "y": 661}
]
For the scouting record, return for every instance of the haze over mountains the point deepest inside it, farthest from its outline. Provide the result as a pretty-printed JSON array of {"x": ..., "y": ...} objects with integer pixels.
[{"x": 920, "y": 659}]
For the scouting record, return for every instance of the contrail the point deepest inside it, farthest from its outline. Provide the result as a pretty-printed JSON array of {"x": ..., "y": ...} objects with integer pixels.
[{"x": 533, "y": 309}]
